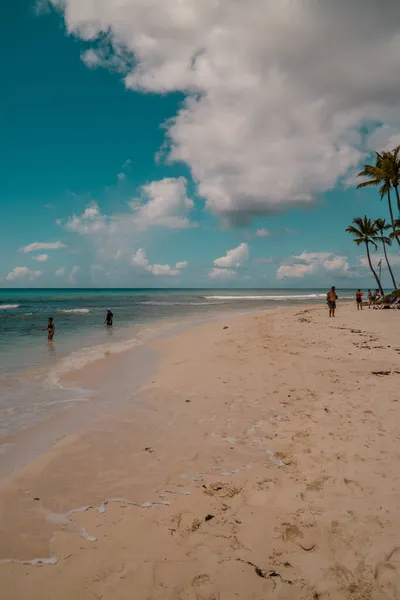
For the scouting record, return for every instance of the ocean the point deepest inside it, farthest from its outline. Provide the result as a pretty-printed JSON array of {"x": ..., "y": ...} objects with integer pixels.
[{"x": 30, "y": 366}]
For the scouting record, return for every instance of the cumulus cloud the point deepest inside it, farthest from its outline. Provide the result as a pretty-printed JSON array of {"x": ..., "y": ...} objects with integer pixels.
[
  {"x": 41, "y": 257},
  {"x": 263, "y": 232},
  {"x": 140, "y": 261},
  {"x": 234, "y": 257},
  {"x": 90, "y": 221},
  {"x": 72, "y": 276},
  {"x": 60, "y": 271},
  {"x": 182, "y": 265},
  {"x": 276, "y": 91},
  {"x": 23, "y": 273},
  {"x": 216, "y": 273},
  {"x": 310, "y": 263},
  {"x": 35, "y": 246},
  {"x": 162, "y": 203},
  {"x": 166, "y": 204}
]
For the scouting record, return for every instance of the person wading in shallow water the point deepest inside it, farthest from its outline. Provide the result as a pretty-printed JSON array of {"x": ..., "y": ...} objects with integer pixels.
[
  {"x": 50, "y": 329},
  {"x": 331, "y": 298},
  {"x": 109, "y": 318}
]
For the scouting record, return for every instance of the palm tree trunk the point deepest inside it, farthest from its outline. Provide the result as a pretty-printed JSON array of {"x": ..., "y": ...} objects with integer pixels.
[
  {"x": 378, "y": 281},
  {"x": 388, "y": 264},
  {"x": 396, "y": 187},
  {"x": 391, "y": 213}
]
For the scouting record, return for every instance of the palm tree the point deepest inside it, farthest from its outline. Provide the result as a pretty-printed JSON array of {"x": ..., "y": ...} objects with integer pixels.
[
  {"x": 365, "y": 232},
  {"x": 396, "y": 232},
  {"x": 382, "y": 227},
  {"x": 382, "y": 174},
  {"x": 393, "y": 160}
]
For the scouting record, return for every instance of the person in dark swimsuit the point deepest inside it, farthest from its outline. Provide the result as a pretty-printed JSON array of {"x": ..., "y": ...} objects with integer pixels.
[
  {"x": 109, "y": 318},
  {"x": 50, "y": 329}
]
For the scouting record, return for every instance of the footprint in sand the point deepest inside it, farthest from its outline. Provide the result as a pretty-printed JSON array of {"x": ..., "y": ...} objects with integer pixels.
[
  {"x": 222, "y": 490},
  {"x": 290, "y": 532},
  {"x": 387, "y": 576},
  {"x": 203, "y": 588},
  {"x": 354, "y": 486}
]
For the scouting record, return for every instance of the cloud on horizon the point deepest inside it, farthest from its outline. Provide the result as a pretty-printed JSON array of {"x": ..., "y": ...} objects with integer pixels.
[
  {"x": 23, "y": 273},
  {"x": 313, "y": 263},
  {"x": 140, "y": 261}
]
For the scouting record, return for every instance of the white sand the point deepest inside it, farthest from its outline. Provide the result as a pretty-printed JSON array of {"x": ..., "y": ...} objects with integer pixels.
[{"x": 277, "y": 427}]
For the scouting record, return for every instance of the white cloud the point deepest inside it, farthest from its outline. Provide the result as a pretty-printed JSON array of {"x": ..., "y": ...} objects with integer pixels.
[
  {"x": 216, "y": 273},
  {"x": 60, "y": 271},
  {"x": 182, "y": 265},
  {"x": 162, "y": 203},
  {"x": 90, "y": 221},
  {"x": 276, "y": 90},
  {"x": 72, "y": 276},
  {"x": 394, "y": 259},
  {"x": 310, "y": 263},
  {"x": 234, "y": 257},
  {"x": 41, "y": 257},
  {"x": 294, "y": 271},
  {"x": 140, "y": 260},
  {"x": 166, "y": 204},
  {"x": 42, "y": 246},
  {"x": 385, "y": 137},
  {"x": 263, "y": 232},
  {"x": 22, "y": 273},
  {"x": 91, "y": 58}
]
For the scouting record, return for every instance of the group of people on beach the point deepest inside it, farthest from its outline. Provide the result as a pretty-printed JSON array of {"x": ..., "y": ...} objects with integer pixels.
[
  {"x": 51, "y": 326},
  {"x": 372, "y": 298},
  {"x": 332, "y": 296}
]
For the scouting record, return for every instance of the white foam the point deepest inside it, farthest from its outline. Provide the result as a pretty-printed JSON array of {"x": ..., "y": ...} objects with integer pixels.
[
  {"x": 81, "y": 358},
  {"x": 276, "y": 298},
  {"x": 82, "y": 311},
  {"x": 164, "y": 303},
  {"x": 9, "y": 306}
]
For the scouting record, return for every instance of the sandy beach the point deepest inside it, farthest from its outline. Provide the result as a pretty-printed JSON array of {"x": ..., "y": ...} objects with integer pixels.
[{"x": 259, "y": 461}]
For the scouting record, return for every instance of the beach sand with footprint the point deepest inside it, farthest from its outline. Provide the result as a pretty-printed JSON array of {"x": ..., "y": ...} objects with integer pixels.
[{"x": 279, "y": 479}]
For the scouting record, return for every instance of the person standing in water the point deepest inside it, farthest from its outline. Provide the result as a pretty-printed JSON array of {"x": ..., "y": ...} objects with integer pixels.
[
  {"x": 359, "y": 296},
  {"x": 109, "y": 318},
  {"x": 50, "y": 329},
  {"x": 331, "y": 298}
]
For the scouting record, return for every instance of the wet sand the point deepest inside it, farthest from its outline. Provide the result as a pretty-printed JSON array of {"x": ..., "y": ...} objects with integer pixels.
[{"x": 259, "y": 461}]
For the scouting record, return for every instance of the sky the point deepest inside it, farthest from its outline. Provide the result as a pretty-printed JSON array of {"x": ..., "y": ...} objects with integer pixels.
[{"x": 147, "y": 143}]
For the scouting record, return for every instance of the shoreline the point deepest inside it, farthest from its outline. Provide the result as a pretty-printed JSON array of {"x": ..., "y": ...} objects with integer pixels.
[
  {"x": 268, "y": 419},
  {"x": 86, "y": 390}
]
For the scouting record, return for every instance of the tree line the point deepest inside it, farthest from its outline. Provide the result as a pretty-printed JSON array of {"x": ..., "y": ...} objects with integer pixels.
[{"x": 385, "y": 175}]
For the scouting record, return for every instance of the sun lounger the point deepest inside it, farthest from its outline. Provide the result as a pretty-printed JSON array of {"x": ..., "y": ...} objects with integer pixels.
[{"x": 391, "y": 303}]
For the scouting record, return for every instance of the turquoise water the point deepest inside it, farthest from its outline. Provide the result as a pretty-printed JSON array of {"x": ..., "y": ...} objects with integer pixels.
[{"x": 29, "y": 365}]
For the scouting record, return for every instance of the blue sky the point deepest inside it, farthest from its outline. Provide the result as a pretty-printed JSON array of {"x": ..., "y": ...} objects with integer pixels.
[{"x": 122, "y": 166}]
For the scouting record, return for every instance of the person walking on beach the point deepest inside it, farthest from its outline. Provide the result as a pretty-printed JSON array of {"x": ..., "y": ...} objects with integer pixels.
[
  {"x": 369, "y": 298},
  {"x": 109, "y": 318},
  {"x": 359, "y": 295},
  {"x": 331, "y": 298},
  {"x": 50, "y": 329},
  {"x": 375, "y": 296}
]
